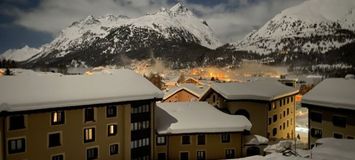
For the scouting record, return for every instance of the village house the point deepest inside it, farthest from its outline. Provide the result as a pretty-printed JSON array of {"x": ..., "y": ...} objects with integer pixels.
[
  {"x": 331, "y": 109},
  {"x": 267, "y": 103},
  {"x": 197, "y": 131},
  {"x": 184, "y": 93},
  {"x": 56, "y": 117}
]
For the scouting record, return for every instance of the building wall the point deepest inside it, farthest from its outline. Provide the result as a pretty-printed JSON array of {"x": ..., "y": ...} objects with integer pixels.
[
  {"x": 214, "y": 148},
  {"x": 38, "y": 126},
  {"x": 257, "y": 114},
  {"x": 327, "y": 127},
  {"x": 284, "y": 109},
  {"x": 182, "y": 96}
]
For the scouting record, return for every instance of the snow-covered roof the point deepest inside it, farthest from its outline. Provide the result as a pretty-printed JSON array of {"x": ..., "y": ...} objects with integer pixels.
[
  {"x": 261, "y": 89},
  {"x": 333, "y": 93},
  {"x": 196, "y": 117},
  {"x": 257, "y": 140},
  {"x": 332, "y": 148},
  {"x": 192, "y": 88},
  {"x": 43, "y": 91}
]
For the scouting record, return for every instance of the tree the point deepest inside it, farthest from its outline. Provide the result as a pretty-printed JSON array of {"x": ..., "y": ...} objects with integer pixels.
[{"x": 7, "y": 72}]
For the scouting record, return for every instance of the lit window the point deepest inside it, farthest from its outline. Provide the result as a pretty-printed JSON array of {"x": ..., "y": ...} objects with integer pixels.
[
  {"x": 57, "y": 117},
  {"x": 89, "y": 134},
  {"x": 112, "y": 130}
]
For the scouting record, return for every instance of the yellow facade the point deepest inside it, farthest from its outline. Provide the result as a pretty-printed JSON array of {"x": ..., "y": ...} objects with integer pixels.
[
  {"x": 38, "y": 126},
  {"x": 181, "y": 96},
  {"x": 259, "y": 112},
  {"x": 326, "y": 126},
  {"x": 213, "y": 147}
]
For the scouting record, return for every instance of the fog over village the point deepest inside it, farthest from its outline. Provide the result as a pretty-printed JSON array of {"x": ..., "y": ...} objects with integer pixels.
[{"x": 177, "y": 80}]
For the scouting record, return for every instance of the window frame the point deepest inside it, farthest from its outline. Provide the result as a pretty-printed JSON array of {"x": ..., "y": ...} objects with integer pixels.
[
  {"x": 183, "y": 140},
  {"x": 17, "y": 151},
  {"x": 118, "y": 149},
  {"x": 338, "y": 117},
  {"x": 320, "y": 129},
  {"x": 115, "y": 129},
  {"x": 201, "y": 158},
  {"x": 316, "y": 120},
  {"x": 59, "y": 154},
  {"x": 227, "y": 156},
  {"x": 93, "y": 147},
  {"x": 198, "y": 139},
  {"x": 94, "y": 115},
  {"x": 16, "y": 129},
  {"x": 338, "y": 133},
  {"x": 157, "y": 140},
  {"x": 108, "y": 113},
  {"x": 60, "y": 139},
  {"x": 62, "y": 115},
  {"x": 182, "y": 152},
  {"x": 93, "y": 134},
  {"x": 225, "y": 140}
]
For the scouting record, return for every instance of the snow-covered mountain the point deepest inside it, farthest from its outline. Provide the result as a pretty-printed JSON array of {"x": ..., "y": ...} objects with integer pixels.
[
  {"x": 104, "y": 40},
  {"x": 315, "y": 26},
  {"x": 19, "y": 55}
]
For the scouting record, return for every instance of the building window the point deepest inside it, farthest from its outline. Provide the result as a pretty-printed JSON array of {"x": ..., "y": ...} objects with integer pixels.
[
  {"x": 89, "y": 135},
  {"x": 288, "y": 111},
  {"x": 161, "y": 140},
  {"x": 288, "y": 100},
  {"x": 274, "y": 118},
  {"x": 316, "y": 117},
  {"x": 16, "y": 145},
  {"x": 230, "y": 153},
  {"x": 201, "y": 155},
  {"x": 161, "y": 156},
  {"x": 350, "y": 137},
  {"x": 58, "y": 157},
  {"x": 273, "y": 106},
  {"x": 270, "y": 121},
  {"x": 338, "y": 135},
  {"x": 316, "y": 133},
  {"x": 213, "y": 98},
  {"x": 111, "y": 111},
  {"x": 201, "y": 139},
  {"x": 54, "y": 140},
  {"x": 89, "y": 114},
  {"x": 185, "y": 139},
  {"x": 112, "y": 129},
  {"x": 292, "y": 99},
  {"x": 225, "y": 137},
  {"x": 92, "y": 153},
  {"x": 339, "y": 121},
  {"x": 114, "y": 149},
  {"x": 17, "y": 122},
  {"x": 284, "y": 114},
  {"x": 284, "y": 126},
  {"x": 184, "y": 155},
  {"x": 274, "y": 131},
  {"x": 57, "y": 117}
]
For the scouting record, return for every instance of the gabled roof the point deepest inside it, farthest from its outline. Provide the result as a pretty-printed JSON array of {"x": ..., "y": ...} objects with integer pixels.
[
  {"x": 191, "y": 88},
  {"x": 36, "y": 91},
  {"x": 196, "y": 117},
  {"x": 332, "y": 93},
  {"x": 261, "y": 89}
]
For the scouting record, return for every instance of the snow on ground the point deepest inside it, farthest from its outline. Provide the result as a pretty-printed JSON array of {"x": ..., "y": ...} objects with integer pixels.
[{"x": 331, "y": 149}]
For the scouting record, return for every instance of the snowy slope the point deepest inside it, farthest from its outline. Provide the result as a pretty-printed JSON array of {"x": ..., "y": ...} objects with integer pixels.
[
  {"x": 164, "y": 22},
  {"x": 19, "y": 55},
  {"x": 313, "y": 26}
]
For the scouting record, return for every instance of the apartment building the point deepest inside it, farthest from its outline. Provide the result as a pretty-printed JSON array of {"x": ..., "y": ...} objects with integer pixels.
[
  {"x": 268, "y": 104},
  {"x": 197, "y": 131},
  {"x": 331, "y": 109},
  {"x": 185, "y": 93},
  {"x": 100, "y": 116}
]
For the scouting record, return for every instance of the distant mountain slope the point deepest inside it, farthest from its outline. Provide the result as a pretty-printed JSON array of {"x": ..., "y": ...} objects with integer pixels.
[
  {"x": 315, "y": 26},
  {"x": 19, "y": 55},
  {"x": 104, "y": 40}
]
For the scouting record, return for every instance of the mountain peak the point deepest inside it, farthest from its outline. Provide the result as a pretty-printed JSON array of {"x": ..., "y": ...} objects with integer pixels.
[{"x": 179, "y": 8}]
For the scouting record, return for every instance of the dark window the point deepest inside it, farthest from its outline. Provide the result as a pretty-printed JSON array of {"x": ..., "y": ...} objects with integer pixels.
[
  {"x": 243, "y": 112},
  {"x": 251, "y": 151},
  {"x": 270, "y": 121},
  {"x": 225, "y": 137},
  {"x": 54, "y": 140},
  {"x": 111, "y": 111},
  {"x": 184, "y": 155},
  {"x": 161, "y": 156},
  {"x": 89, "y": 114},
  {"x": 275, "y": 118},
  {"x": 338, "y": 135},
  {"x": 291, "y": 99},
  {"x": 89, "y": 134},
  {"x": 350, "y": 137},
  {"x": 279, "y": 102},
  {"x": 284, "y": 125},
  {"x": 284, "y": 114},
  {"x": 57, "y": 117},
  {"x": 201, "y": 155},
  {"x": 230, "y": 153},
  {"x": 112, "y": 129},
  {"x": 274, "y": 131},
  {"x": 114, "y": 149},
  {"x": 185, "y": 139},
  {"x": 16, "y": 145},
  {"x": 316, "y": 133},
  {"x": 288, "y": 111},
  {"x": 161, "y": 140},
  {"x": 17, "y": 122},
  {"x": 201, "y": 139},
  {"x": 316, "y": 117},
  {"x": 339, "y": 121},
  {"x": 58, "y": 157},
  {"x": 288, "y": 100},
  {"x": 213, "y": 98},
  {"x": 92, "y": 153}
]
